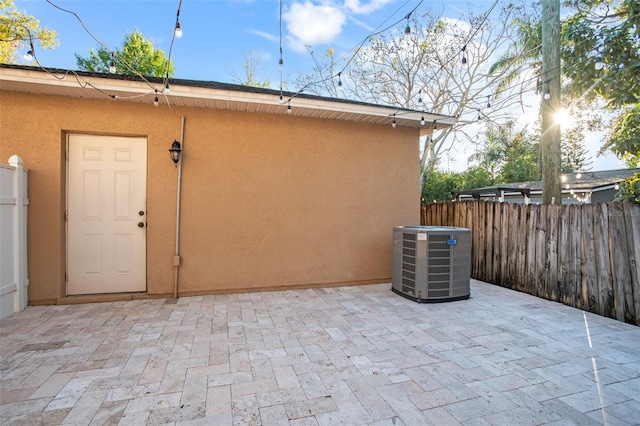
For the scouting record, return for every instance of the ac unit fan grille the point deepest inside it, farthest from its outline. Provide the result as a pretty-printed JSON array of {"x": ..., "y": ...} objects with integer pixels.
[{"x": 409, "y": 263}]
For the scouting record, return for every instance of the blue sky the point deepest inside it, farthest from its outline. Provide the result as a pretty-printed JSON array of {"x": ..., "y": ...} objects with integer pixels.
[{"x": 217, "y": 32}]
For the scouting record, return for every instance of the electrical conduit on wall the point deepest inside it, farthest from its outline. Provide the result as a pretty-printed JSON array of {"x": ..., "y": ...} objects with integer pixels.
[{"x": 176, "y": 258}]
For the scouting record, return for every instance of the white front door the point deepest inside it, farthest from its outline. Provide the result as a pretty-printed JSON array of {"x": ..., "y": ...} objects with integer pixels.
[{"x": 106, "y": 214}]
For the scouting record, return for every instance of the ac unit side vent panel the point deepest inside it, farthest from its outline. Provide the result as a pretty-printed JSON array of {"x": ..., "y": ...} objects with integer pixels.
[
  {"x": 431, "y": 264},
  {"x": 408, "y": 267}
]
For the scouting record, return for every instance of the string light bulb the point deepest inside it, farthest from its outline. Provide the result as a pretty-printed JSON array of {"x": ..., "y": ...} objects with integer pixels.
[
  {"x": 393, "y": 123},
  {"x": 167, "y": 89},
  {"x": 281, "y": 100},
  {"x": 28, "y": 57},
  {"x": 422, "y": 120},
  {"x": 464, "y": 56},
  {"x": 434, "y": 125},
  {"x": 155, "y": 100},
  {"x": 489, "y": 101},
  {"x": 281, "y": 63},
  {"x": 340, "y": 82},
  {"x": 547, "y": 95},
  {"x": 178, "y": 30},
  {"x": 112, "y": 64},
  {"x": 289, "y": 108},
  {"x": 479, "y": 115},
  {"x": 407, "y": 29},
  {"x": 599, "y": 64},
  {"x": 420, "y": 96}
]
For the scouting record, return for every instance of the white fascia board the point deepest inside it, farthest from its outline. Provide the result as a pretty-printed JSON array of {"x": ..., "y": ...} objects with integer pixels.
[{"x": 129, "y": 88}]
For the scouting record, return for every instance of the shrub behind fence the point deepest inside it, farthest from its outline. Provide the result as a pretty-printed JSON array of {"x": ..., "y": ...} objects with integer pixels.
[{"x": 585, "y": 256}]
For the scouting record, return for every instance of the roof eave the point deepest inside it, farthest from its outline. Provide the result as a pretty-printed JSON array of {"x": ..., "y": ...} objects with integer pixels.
[{"x": 189, "y": 93}]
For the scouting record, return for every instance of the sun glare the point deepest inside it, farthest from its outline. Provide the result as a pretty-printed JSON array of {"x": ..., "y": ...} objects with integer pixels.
[{"x": 563, "y": 117}]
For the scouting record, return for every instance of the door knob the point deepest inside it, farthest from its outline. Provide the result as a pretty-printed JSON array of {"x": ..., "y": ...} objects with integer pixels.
[{"x": 140, "y": 224}]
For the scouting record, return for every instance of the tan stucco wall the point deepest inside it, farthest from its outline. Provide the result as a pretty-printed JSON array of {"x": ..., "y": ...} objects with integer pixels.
[{"x": 267, "y": 200}]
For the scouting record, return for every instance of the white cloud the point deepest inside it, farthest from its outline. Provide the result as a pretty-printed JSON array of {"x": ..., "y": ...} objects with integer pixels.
[
  {"x": 454, "y": 25},
  {"x": 264, "y": 35},
  {"x": 364, "y": 8},
  {"x": 310, "y": 24},
  {"x": 361, "y": 24}
]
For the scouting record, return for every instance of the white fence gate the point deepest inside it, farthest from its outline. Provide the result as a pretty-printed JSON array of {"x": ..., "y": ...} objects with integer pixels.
[{"x": 14, "y": 283}]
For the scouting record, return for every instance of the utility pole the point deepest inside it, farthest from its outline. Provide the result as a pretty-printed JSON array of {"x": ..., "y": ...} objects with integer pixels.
[{"x": 550, "y": 140}]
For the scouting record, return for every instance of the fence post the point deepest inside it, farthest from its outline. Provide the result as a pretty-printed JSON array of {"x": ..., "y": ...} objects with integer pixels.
[{"x": 20, "y": 234}]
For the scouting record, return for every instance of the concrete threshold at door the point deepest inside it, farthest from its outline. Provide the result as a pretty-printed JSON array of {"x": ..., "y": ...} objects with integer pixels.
[{"x": 115, "y": 297}]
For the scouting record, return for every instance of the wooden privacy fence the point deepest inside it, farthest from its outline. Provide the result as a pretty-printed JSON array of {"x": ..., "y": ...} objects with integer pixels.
[{"x": 586, "y": 256}]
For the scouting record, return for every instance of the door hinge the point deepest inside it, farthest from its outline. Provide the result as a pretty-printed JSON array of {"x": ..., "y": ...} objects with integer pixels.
[{"x": 66, "y": 216}]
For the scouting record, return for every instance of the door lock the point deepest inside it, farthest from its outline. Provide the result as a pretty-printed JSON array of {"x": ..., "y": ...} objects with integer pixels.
[{"x": 140, "y": 224}]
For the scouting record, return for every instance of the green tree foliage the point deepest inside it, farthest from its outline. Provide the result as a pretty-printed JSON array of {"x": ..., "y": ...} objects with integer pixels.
[
  {"x": 136, "y": 56},
  {"x": 600, "y": 50},
  {"x": 475, "y": 177},
  {"x": 601, "y": 58},
  {"x": 630, "y": 190},
  {"x": 603, "y": 32},
  {"x": 491, "y": 155},
  {"x": 438, "y": 186},
  {"x": 624, "y": 136},
  {"x": 574, "y": 157},
  {"x": 19, "y": 30},
  {"x": 521, "y": 161},
  {"x": 506, "y": 155}
]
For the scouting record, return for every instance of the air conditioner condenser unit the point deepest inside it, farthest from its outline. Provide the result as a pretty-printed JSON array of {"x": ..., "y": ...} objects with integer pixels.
[{"x": 431, "y": 263}]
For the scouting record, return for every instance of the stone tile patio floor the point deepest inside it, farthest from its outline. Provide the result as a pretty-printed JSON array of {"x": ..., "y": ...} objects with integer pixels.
[{"x": 348, "y": 355}]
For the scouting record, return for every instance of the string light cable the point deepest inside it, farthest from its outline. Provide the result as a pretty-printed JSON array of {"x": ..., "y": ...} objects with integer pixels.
[
  {"x": 463, "y": 49},
  {"x": 280, "y": 61},
  {"x": 82, "y": 82},
  {"x": 477, "y": 103},
  {"x": 399, "y": 112},
  {"x": 165, "y": 84},
  {"x": 358, "y": 47},
  {"x": 176, "y": 33},
  {"x": 103, "y": 45},
  {"x": 486, "y": 16},
  {"x": 521, "y": 83},
  {"x": 376, "y": 32},
  {"x": 495, "y": 94},
  {"x": 474, "y": 103}
]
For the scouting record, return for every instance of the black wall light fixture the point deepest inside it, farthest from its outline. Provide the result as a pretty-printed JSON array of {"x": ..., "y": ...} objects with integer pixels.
[{"x": 175, "y": 151}]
